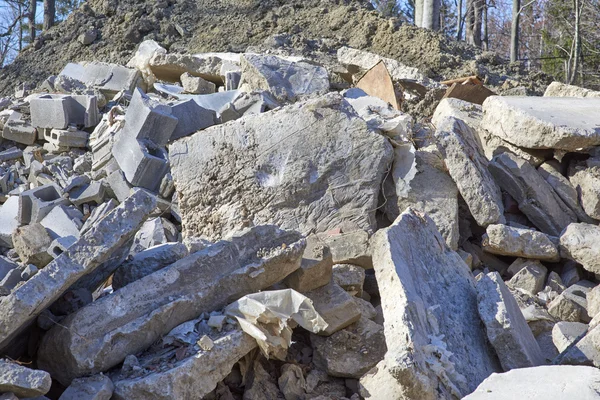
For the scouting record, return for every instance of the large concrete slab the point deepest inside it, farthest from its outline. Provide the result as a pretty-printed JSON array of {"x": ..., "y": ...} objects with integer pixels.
[
  {"x": 24, "y": 304},
  {"x": 311, "y": 166},
  {"x": 544, "y": 123},
  {"x": 429, "y": 306},
  {"x": 132, "y": 318}
]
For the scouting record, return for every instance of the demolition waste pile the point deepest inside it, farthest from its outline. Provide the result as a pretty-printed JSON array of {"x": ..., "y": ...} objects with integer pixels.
[{"x": 332, "y": 223}]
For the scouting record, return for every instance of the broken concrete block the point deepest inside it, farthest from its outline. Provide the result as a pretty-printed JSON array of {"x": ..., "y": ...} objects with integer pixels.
[
  {"x": 148, "y": 119},
  {"x": 564, "y": 308},
  {"x": 143, "y": 163},
  {"x": 6, "y": 266},
  {"x": 308, "y": 162},
  {"x": 10, "y": 281},
  {"x": 91, "y": 250},
  {"x": 469, "y": 169},
  {"x": 66, "y": 137},
  {"x": 170, "y": 67},
  {"x": 335, "y": 306},
  {"x": 536, "y": 198},
  {"x": 31, "y": 242},
  {"x": 10, "y": 154},
  {"x": 19, "y": 131},
  {"x": 118, "y": 185},
  {"x": 97, "y": 387},
  {"x": 349, "y": 247},
  {"x": 559, "y": 89},
  {"x": 566, "y": 190},
  {"x": 108, "y": 78},
  {"x": 148, "y": 261},
  {"x": 530, "y": 279},
  {"x": 291, "y": 382},
  {"x": 505, "y": 325},
  {"x": 22, "y": 381},
  {"x": 286, "y": 80},
  {"x": 9, "y": 222},
  {"x": 550, "y": 123},
  {"x": 98, "y": 213},
  {"x": 585, "y": 178},
  {"x": 541, "y": 383},
  {"x": 579, "y": 242},
  {"x": 196, "y": 85},
  {"x": 59, "y": 111},
  {"x": 94, "y": 192},
  {"x": 63, "y": 222},
  {"x": 196, "y": 375},
  {"x": 508, "y": 241},
  {"x": 155, "y": 231},
  {"x": 247, "y": 104},
  {"x": 593, "y": 301},
  {"x": 315, "y": 268},
  {"x": 419, "y": 180},
  {"x": 201, "y": 282},
  {"x": 564, "y": 333},
  {"x": 36, "y": 203},
  {"x": 191, "y": 118},
  {"x": 352, "y": 351},
  {"x": 350, "y": 278},
  {"x": 420, "y": 281}
]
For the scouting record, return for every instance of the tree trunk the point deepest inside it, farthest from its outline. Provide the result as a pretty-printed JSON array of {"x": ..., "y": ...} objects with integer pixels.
[
  {"x": 485, "y": 45},
  {"x": 431, "y": 15},
  {"x": 474, "y": 21},
  {"x": 419, "y": 13},
  {"x": 514, "y": 31},
  {"x": 49, "y": 13},
  {"x": 459, "y": 22},
  {"x": 31, "y": 17},
  {"x": 577, "y": 42}
]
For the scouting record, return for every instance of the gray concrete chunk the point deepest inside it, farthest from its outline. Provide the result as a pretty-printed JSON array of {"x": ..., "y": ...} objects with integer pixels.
[
  {"x": 132, "y": 318},
  {"x": 469, "y": 169},
  {"x": 22, "y": 381},
  {"x": 148, "y": 119},
  {"x": 430, "y": 307},
  {"x": 97, "y": 387},
  {"x": 517, "y": 242},
  {"x": 505, "y": 325},
  {"x": 91, "y": 250},
  {"x": 191, "y": 118},
  {"x": 551, "y": 123},
  {"x": 579, "y": 242},
  {"x": 535, "y": 197},
  {"x": 287, "y": 167}
]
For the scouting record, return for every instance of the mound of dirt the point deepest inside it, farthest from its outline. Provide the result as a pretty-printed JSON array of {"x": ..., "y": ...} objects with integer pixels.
[{"x": 312, "y": 28}]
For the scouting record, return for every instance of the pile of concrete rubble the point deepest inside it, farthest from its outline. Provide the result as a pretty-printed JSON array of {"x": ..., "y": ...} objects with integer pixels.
[{"x": 236, "y": 226}]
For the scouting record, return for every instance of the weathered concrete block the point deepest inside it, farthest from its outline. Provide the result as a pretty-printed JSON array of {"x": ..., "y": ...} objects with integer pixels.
[
  {"x": 148, "y": 261},
  {"x": 559, "y": 89},
  {"x": 22, "y": 381},
  {"x": 579, "y": 242},
  {"x": 91, "y": 250},
  {"x": 67, "y": 137},
  {"x": 429, "y": 305},
  {"x": 516, "y": 242},
  {"x": 287, "y": 80},
  {"x": 17, "y": 130},
  {"x": 109, "y": 78},
  {"x": 196, "y": 85},
  {"x": 143, "y": 163},
  {"x": 315, "y": 268},
  {"x": 350, "y": 278},
  {"x": 351, "y": 352},
  {"x": 585, "y": 177},
  {"x": 505, "y": 325},
  {"x": 63, "y": 222},
  {"x": 94, "y": 192},
  {"x": 286, "y": 179},
  {"x": 191, "y": 118},
  {"x": 564, "y": 333},
  {"x": 550, "y": 123},
  {"x": 31, "y": 243},
  {"x": 541, "y": 383},
  {"x": 536, "y": 198},
  {"x": 132, "y": 318},
  {"x": 419, "y": 180},
  {"x": 97, "y": 387},
  {"x": 148, "y": 119},
  {"x": 195, "y": 376},
  {"x": 469, "y": 169},
  {"x": 530, "y": 279},
  {"x": 118, "y": 185},
  {"x": 59, "y": 111},
  {"x": 335, "y": 306}
]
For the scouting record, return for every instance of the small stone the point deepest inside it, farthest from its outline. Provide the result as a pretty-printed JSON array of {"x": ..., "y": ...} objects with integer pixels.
[
  {"x": 206, "y": 343},
  {"x": 530, "y": 279},
  {"x": 23, "y": 381},
  {"x": 564, "y": 333},
  {"x": 196, "y": 85},
  {"x": 217, "y": 321},
  {"x": 565, "y": 309}
]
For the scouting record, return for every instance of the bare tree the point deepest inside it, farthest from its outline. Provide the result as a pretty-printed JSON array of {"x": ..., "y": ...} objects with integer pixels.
[
  {"x": 474, "y": 16},
  {"x": 427, "y": 14},
  {"x": 31, "y": 18},
  {"x": 460, "y": 19},
  {"x": 576, "y": 53},
  {"x": 49, "y": 13}
]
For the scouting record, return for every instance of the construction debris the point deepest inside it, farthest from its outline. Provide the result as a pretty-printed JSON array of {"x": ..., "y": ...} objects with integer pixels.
[{"x": 228, "y": 226}]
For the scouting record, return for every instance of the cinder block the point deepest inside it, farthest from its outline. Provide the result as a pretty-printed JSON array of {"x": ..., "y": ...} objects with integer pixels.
[
  {"x": 58, "y": 111},
  {"x": 119, "y": 186},
  {"x": 143, "y": 163},
  {"x": 63, "y": 221},
  {"x": 70, "y": 137},
  {"x": 92, "y": 193},
  {"x": 36, "y": 203},
  {"x": 147, "y": 119}
]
